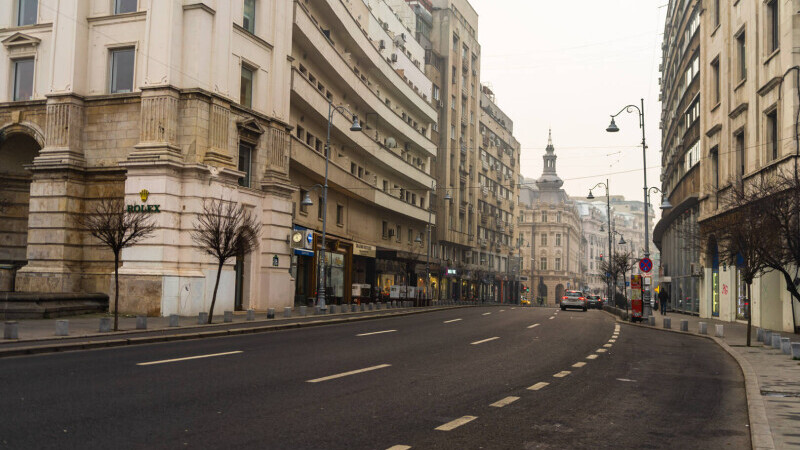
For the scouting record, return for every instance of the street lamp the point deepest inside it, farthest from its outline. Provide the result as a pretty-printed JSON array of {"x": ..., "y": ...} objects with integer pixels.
[
  {"x": 356, "y": 126},
  {"x": 665, "y": 204},
  {"x": 608, "y": 212},
  {"x": 613, "y": 128}
]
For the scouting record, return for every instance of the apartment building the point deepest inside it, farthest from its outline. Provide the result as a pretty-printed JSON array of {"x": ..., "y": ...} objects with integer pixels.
[
  {"x": 160, "y": 103},
  {"x": 594, "y": 245}
]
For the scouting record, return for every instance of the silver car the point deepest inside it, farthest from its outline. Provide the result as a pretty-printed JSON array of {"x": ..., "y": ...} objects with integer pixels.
[{"x": 573, "y": 299}]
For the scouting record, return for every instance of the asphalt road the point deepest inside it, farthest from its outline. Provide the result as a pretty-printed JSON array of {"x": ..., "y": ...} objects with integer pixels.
[{"x": 475, "y": 374}]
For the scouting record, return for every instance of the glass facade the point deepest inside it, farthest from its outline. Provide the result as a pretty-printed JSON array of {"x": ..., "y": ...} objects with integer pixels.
[{"x": 680, "y": 253}]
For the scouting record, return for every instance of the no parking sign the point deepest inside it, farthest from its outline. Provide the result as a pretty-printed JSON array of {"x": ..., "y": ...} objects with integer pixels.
[{"x": 646, "y": 265}]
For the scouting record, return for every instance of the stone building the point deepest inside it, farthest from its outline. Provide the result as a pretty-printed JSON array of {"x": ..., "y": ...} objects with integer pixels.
[
  {"x": 108, "y": 99},
  {"x": 550, "y": 227},
  {"x": 594, "y": 236}
]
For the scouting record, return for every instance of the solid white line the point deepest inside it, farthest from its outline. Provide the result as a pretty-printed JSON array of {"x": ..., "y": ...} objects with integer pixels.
[
  {"x": 376, "y": 332},
  {"x": 485, "y": 340},
  {"x": 352, "y": 372},
  {"x": 538, "y": 386},
  {"x": 151, "y": 363},
  {"x": 399, "y": 447},
  {"x": 456, "y": 423},
  {"x": 451, "y": 321},
  {"x": 591, "y": 357},
  {"x": 578, "y": 365},
  {"x": 504, "y": 402},
  {"x": 534, "y": 325},
  {"x": 485, "y": 314},
  {"x": 562, "y": 374}
]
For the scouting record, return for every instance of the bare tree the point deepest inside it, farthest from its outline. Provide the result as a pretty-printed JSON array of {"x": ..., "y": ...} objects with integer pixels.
[
  {"x": 224, "y": 230},
  {"x": 625, "y": 262},
  {"x": 117, "y": 228}
]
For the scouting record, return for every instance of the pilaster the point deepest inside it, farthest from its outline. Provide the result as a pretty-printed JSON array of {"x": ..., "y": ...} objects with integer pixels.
[
  {"x": 219, "y": 118},
  {"x": 159, "y": 126}
]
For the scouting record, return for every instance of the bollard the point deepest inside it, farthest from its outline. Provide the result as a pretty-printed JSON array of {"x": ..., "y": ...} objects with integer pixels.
[
  {"x": 651, "y": 320},
  {"x": 270, "y": 313},
  {"x": 767, "y": 337},
  {"x": 62, "y": 327},
  {"x": 684, "y": 325},
  {"x": 11, "y": 330},
  {"x": 317, "y": 310},
  {"x": 304, "y": 311},
  {"x": 776, "y": 340},
  {"x": 353, "y": 308},
  {"x": 719, "y": 331},
  {"x": 173, "y": 320},
  {"x": 141, "y": 322},
  {"x": 786, "y": 346},
  {"x": 202, "y": 318},
  {"x": 703, "y": 327},
  {"x": 760, "y": 334},
  {"x": 251, "y": 314},
  {"x": 227, "y": 316},
  {"x": 331, "y": 309},
  {"x": 287, "y": 311},
  {"x": 371, "y": 307},
  {"x": 363, "y": 307},
  {"x": 667, "y": 323},
  {"x": 105, "y": 324},
  {"x": 795, "y": 350}
]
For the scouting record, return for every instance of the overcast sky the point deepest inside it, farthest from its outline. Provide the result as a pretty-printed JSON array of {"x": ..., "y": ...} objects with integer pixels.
[{"x": 569, "y": 65}]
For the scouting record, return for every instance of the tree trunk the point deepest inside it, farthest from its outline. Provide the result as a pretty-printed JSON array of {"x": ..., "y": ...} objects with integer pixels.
[
  {"x": 749, "y": 315},
  {"x": 116, "y": 291},
  {"x": 794, "y": 294},
  {"x": 214, "y": 296}
]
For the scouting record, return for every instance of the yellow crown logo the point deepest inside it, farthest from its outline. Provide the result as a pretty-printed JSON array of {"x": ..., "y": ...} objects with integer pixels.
[{"x": 144, "y": 194}]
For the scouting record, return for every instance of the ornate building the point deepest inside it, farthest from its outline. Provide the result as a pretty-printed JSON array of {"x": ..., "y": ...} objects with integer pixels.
[{"x": 550, "y": 228}]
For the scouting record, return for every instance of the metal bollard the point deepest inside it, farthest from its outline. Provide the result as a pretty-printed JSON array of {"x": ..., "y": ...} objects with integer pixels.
[
  {"x": 331, "y": 309},
  {"x": 786, "y": 346},
  {"x": 795, "y": 350},
  {"x": 651, "y": 320},
  {"x": 251, "y": 315},
  {"x": 667, "y": 323},
  {"x": 371, "y": 307},
  {"x": 767, "y": 337},
  {"x": 174, "y": 320},
  {"x": 719, "y": 331},
  {"x": 287, "y": 311},
  {"x": 703, "y": 328},
  {"x": 684, "y": 325},
  {"x": 776, "y": 340},
  {"x": 227, "y": 316},
  {"x": 202, "y": 318},
  {"x": 304, "y": 311},
  {"x": 317, "y": 310},
  {"x": 760, "y": 334},
  {"x": 62, "y": 327},
  {"x": 270, "y": 313},
  {"x": 105, "y": 324},
  {"x": 363, "y": 307},
  {"x": 141, "y": 322},
  {"x": 11, "y": 330},
  {"x": 353, "y": 308}
]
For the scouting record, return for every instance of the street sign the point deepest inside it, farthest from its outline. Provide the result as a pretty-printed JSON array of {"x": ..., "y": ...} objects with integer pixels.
[{"x": 646, "y": 265}]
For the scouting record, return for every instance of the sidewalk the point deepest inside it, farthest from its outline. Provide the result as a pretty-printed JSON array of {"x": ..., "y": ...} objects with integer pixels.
[{"x": 776, "y": 384}]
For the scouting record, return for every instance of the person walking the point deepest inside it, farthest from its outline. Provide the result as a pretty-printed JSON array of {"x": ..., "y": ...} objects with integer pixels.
[{"x": 663, "y": 296}]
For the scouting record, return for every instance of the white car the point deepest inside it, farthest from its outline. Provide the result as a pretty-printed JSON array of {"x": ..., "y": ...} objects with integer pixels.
[{"x": 573, "y": 299}]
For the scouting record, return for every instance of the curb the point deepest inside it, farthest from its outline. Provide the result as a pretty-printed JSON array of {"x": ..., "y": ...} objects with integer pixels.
[
  {"x": 760, "y": 432},
  {"x": 88, "y": 345}
]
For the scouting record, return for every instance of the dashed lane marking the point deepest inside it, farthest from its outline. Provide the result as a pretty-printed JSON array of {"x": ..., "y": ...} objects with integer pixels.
[
  {"x": 485, "y": 314},
  {"x": 352, "y": 372},
  {"x": 562, "y": 374},
  {"x": 612, "y": 341},
  {"x": 502, "y": 310},
  {"x": 608, "y": 345},
  {"x": 506, "y": 401},
  {"x": 399, "y": 447},
  {"x": 591, "y": 356},
  {"x": 164, "y": 361},
  {"x": 452, "y": 425},
  {"x": 578, "y": 365},
  {"x": 534, "y": 325},
  {"x": 538, "y": 386},
  {"x": 552, "y": 317},
  {"x": 376, "y": 332},
  {"x": 485, "y": 340},
  {"x": 601, "y": 350},
  {"x": 451, "y": 321}
]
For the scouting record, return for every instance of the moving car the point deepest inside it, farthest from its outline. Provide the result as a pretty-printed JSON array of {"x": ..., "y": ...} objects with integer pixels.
[
  {"x": 573, "y": 299},
  {"x": 593, "y": 301}
]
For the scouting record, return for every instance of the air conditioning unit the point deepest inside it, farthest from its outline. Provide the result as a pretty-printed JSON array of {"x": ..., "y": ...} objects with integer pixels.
[
  {"x": 394, "y": 57},
  {"x": 385, "y": 26},
  {"x": 382, "y": 44}
]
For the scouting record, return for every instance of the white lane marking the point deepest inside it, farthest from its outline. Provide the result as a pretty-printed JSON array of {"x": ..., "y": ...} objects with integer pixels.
[
  {"x": 552, "y": 317},
  {"x": 485, "y": 340},
  {"x": 562, "y": 374},
  {"x": 591, "y": 357},
  {"x": 485, "y": 314},
  {"x": 608, "y": 345},
  {"x": 399, "y": 447},
  {"x": 451, "y": 321},
  {"x": 578, "y": 365},
  {"x": 534, "y": 325},
  {"x": 626, "y": 380},
  {"x": 352, "y": 372},
  {"x": 452, "y": 425},
  {"x": 151, "y": 363},
  {"x": 611, "y": 341},
  {"x": 376, "y": 332},
  {"x": 506, "y": 401},
  {"x": 502, "y": 310},
  {"x": 538, "y": 386},
  {"x": 513, "y": 308},
  {"x": 601, "y": 350}
]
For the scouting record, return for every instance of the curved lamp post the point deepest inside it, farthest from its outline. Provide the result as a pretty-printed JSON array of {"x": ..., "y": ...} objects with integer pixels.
[{"x": 608, "y": 216}]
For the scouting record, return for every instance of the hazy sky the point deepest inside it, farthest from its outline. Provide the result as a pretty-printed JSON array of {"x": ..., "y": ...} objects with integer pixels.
[{"x": 569, "y": 65}]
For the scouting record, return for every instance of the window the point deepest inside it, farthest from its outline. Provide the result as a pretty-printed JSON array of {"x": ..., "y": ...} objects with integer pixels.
[
  {"x": 340, "y": 215},
  {"x": 772, "y": 135},
  {"x": 26, "y": 12},
  {"x": 122, "y": 61},
  {"x": 558, "y": 239},
  {"x": 246, "y": 87},
  {"x": 544, "y": 216},
  {"x": 544, "y": 239},
  {"x": 320, "y": 209},
  {"x": 436, "y": 93},
  {"x": 715, "y": 80},
  {"x": 714, "y": 153},
  {"x": 397, "y": 233},
  {"x": 716, "y": 13},
  {"x": 453, "y": 102},
  {"x": 245, "y": 159},
  {"x": 771, "y": 36},
  {"x": 740, "y": 155},
  {"x": 410, "y": 235},
  {"x": 692, "y": 156},
  {"x": 23, "y": 79},
  {"x": 558, "y": 264},
  {"x": 249, "y": 16},
  {"x": 384, "y": 229},
  {"x": 558, "y": 217},
  {"x": 303, "y": 208},
  {"x": 543, "y": 263},
  {"x": 125, "y": 6},
  {"x": 741, "y": 53}
]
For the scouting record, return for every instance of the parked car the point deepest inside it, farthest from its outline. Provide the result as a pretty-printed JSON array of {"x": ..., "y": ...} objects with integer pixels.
[
  {"x": 573, "y": 299},
  {"x": 593, "y": 301}
]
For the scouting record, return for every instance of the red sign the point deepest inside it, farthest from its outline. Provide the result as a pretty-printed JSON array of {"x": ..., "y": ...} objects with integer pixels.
[{"x": 646, "y": 265}]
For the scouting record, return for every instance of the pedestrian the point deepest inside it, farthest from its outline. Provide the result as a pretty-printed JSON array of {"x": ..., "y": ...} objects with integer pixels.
[{"x": 662, "y": 299}]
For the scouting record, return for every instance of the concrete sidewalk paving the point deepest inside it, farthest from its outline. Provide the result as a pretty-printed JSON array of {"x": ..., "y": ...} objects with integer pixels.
[{"x": 777, "y": 378}]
